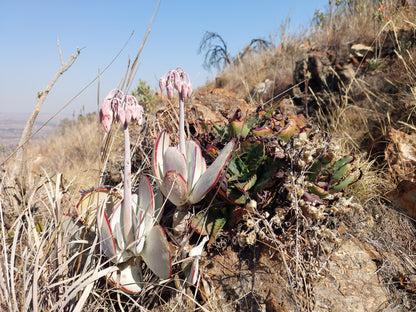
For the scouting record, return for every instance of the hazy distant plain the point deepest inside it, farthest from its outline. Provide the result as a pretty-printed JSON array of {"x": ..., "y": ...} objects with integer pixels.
[{"x": 11, "y": 127}]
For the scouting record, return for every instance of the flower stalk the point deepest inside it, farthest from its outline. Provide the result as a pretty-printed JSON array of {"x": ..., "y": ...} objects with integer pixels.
[
  {"x": 181, "y": 123},
  {"x": 127, "y": 203}
]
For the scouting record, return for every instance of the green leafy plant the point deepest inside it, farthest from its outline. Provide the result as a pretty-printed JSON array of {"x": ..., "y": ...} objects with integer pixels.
[
  {"x": 144, "y": 95},
  {"x": 319, "y": 18},
  {"x": 275, "y": 154},
  {"x": 328, "y": 176},
  {"x": 254, "y": 167}
]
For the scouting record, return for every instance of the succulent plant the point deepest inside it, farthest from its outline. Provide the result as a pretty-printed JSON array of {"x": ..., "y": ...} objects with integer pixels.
[
  {"x": 181, "y": 171},
  {"x": 86, "y": 208},
  {"x": 328, "y": 176},
  {"x": 253, "y": 168},
  {"x": 184, "y": 178},
  {"x": 121, "y": 108},
  {"x": 271, "y": 145},
  {"x": 126, "y": 225},
  {"x": 279, "y": 161},
  {"x": 190, "y": 266},
  {"x": 211, "y": 222},
  {"x": 143, "y": 239}
]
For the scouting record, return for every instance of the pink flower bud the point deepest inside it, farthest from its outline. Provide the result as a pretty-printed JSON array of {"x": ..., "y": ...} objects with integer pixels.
[
  {"x": 106, "y": 112},
  {"x": 189, "y": 90},
  {"x": 180, "y": 71},
  {"x": 130, "y": 110},
  {"x": 169, "y": 90},
  {"x": 128, "y": 114},
  {"x": 162, "y": 83},
  {"x": 106, "y": 107},
  {"x": 184, "y": 90},
  {"x": 177, "y": 81},
  {"x": 134, "y": 112},
  {"x": 120, "y": 108},
  {"x": 121, "y": 114},
  {"x": 114, "y": 106},
  {"x": 106, "y": 120},
  {"x": 138, "y": 111},
  {"x": 131, "y": 100}
]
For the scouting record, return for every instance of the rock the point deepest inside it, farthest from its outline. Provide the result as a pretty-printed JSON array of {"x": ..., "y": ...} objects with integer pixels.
[
  {"x": 361, "y": 51},
  {"x": 264, "y": 86},
  {"x": 396, "y": 39},
  {"x": 351, "y": 283},
  {"x": 318, "y": 71},
  {"x": 346, "y": 73},
  {"x": 404, "y": 198},
  {"x": 216, "y": 105},
  {"x": 400, "y": 154},
  {"x": 322, "y": 70},
  {"x": 219, "y": 82},
  {"x": 289, "y": 108},
  {"x": 234, "y": 282}
]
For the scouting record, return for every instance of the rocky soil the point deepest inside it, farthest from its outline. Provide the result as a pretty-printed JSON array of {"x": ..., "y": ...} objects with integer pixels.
[{"x": 372, "y": 267}]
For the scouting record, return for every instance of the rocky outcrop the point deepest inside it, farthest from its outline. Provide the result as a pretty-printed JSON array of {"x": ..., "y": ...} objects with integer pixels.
[
  {"x": 253, "y": 280},
  {"x": 351, "y": 282}
]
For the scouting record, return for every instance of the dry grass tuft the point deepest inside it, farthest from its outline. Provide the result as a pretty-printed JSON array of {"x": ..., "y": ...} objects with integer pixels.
[{"x": 72, "y": 150}]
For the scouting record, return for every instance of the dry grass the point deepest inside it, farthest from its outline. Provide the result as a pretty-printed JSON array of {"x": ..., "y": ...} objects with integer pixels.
[
  {"x": 277, "y": 65},
  {"x": 67, "y": 152},
  {"x": 36, "y": 253}
]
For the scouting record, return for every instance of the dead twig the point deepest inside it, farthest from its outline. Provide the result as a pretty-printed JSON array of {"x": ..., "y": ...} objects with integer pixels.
[{"x": 19, "y": 167}]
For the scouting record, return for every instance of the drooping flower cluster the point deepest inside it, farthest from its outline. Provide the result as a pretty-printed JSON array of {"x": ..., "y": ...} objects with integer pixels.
[
  {"x": 178, "y": 79},
  {"x": 121, "y": 108}
]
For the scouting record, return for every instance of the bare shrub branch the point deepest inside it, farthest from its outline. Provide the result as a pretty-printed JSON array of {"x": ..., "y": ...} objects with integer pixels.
[{"x": 19, "y": 167}]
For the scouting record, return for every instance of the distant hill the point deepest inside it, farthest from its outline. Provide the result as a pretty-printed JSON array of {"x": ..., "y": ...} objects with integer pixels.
[{"x": 12, "y": 124}]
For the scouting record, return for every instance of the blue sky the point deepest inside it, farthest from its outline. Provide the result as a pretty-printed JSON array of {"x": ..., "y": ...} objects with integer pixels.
[{"x": 29, "y": 56}]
